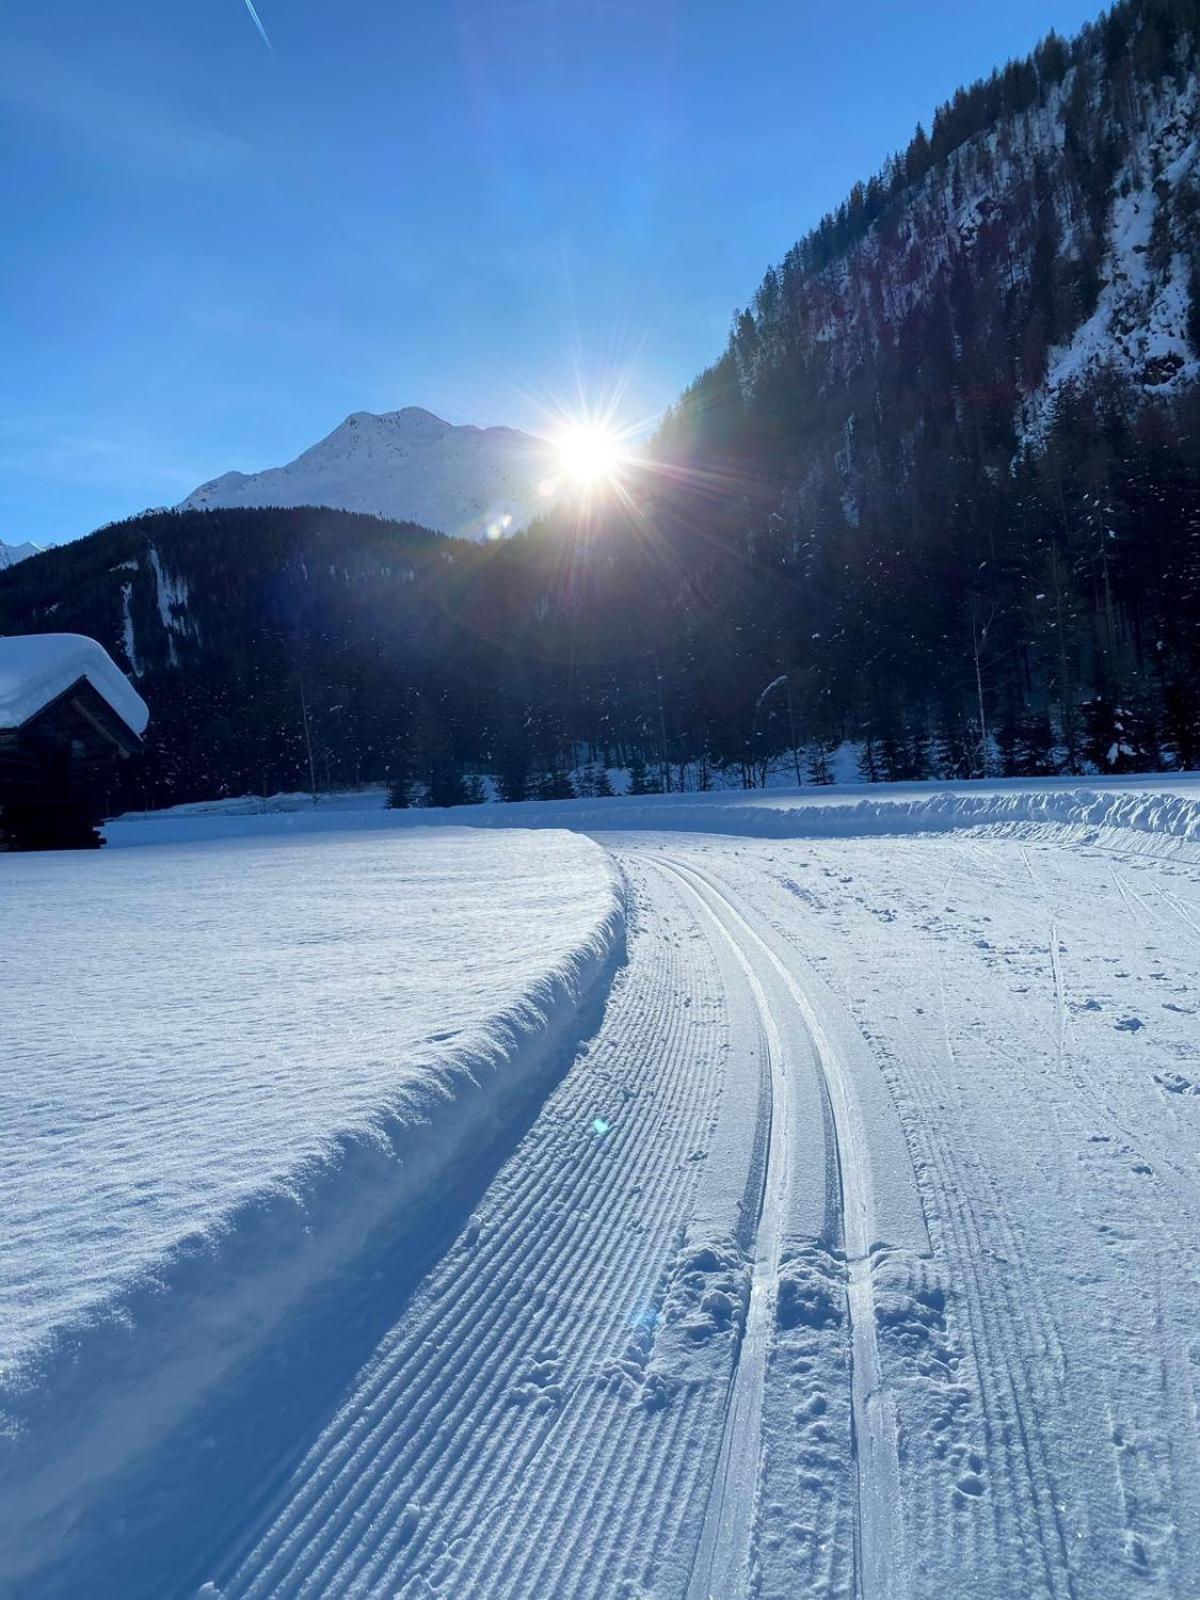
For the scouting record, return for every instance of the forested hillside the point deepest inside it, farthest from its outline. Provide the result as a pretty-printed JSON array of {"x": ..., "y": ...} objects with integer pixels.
[
  {"x": 940, "y": 496},
  {"x": 284, "y": 648},
  {"x": 961, "y": 416}
]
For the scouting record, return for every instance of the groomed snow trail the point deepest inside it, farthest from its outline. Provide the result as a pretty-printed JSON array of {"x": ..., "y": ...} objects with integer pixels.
[
  {"x": 856, "y": 1254},
  {"x": 229, "y": 1065},
  {"x": 723, "y": 1565},
  {"x": 543, "y": 1417},
  {"x": 573, "y": 1403},
  {"x": 1033, "y": 1014}
]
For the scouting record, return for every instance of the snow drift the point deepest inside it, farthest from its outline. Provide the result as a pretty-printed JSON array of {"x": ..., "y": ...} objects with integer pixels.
[{"x": 1154, "y": 812}]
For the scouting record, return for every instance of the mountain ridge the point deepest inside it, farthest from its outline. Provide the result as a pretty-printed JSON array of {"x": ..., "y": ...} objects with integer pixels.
[
  {"x": 407, "y": 465},
  {"x": 10, "y": 554}
]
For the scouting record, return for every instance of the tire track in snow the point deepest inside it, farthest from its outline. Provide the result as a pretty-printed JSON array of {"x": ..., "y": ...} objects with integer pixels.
[
  {"x": 1060, "y": 997},
  {"x": 722, "y": 1568},
  {"x": 1033, "y": 1519},
  {"x": 722, "y": 1564},
  {"x": 999, "y": 1331},
  {"x": 1127, "y": 894}
]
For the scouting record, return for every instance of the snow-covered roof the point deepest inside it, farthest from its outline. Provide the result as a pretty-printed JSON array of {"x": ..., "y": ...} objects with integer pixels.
[{"x": 35, "y": 668}]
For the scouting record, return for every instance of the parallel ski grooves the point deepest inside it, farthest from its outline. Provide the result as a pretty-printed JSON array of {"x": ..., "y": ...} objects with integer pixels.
[{"x": 878, "y": 1558}]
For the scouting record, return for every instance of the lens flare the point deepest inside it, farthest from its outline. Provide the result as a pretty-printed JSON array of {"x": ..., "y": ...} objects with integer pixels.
[{"x": 589, "y": 455}]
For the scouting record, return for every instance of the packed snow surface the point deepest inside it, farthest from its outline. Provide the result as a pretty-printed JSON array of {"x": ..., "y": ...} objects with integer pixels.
[
  {"x": 35, "y": 668},
  {"x": 851, "y": 1246},
  {"x": 477, "y": 483}
]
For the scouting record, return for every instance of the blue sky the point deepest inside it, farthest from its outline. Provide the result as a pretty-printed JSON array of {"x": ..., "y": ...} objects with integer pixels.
[{"x": 214, "y": 250}]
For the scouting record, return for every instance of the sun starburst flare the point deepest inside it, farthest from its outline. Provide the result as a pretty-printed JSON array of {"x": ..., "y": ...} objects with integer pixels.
[
  {"x": 589, "y": 455},
  {"x": 594, "y": 459}
]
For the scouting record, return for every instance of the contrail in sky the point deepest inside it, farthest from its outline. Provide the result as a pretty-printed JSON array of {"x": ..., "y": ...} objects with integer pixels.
[{"x": 257, "y": 20}]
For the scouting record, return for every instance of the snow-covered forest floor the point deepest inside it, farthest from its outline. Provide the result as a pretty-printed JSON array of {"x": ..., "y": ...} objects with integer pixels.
[{"x": 713, "y": 1196}]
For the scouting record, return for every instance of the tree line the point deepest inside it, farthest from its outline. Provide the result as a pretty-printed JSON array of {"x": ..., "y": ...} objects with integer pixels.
[{"x": 872, "y": 520}]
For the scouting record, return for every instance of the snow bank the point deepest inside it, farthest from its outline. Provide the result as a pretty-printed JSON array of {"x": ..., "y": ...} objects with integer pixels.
[
  {"x": 767, "y": 816},
  {"x": 238, "y": 1062},
  {"x": 36, "y": 668},
  {"x": 1160, "y": 810}
]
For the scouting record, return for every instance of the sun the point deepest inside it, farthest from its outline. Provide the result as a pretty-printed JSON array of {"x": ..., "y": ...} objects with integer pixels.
[{"x": 589, "y": 455}]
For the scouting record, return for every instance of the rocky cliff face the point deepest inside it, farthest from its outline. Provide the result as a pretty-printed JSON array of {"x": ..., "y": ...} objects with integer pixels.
[{"x": 1040, "y": 245}]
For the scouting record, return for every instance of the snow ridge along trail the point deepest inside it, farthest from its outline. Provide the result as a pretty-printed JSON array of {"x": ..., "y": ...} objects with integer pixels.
[
  {"x": 797, "y": 1042},
  {"x": 310, "y": 1043},
  {"x": 543, "y": 1417}
]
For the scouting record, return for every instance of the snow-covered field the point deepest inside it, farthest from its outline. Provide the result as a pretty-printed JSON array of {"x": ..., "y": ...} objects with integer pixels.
[
  {"x": 227, "y": 1063},
  {"x": 840, "y": 1237}
]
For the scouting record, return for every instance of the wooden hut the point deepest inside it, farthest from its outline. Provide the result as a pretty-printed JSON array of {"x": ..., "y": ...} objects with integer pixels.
[{"x": 68, "y": 718}]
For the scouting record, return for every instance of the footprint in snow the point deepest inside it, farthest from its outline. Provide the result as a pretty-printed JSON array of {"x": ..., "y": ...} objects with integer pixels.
[{"x": 1176, "y": 1083}]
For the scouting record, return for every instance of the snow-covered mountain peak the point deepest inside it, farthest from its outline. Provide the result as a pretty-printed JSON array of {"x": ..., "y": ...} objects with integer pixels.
[
  {"x": 413, "y": 421},
  {"x": 10, "y": 554},
  {"x": 410, "y": 465}
]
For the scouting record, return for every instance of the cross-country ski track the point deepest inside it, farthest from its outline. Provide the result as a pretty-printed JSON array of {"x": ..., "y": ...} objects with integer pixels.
[{"x": 853, "y": 1253}]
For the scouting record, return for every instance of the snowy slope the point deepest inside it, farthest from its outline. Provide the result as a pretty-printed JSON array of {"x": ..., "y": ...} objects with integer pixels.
[
  {"x": 10, "y": 554},
  {"x": 962, "y": 264},
  {"x": 1162, "y": 810},
  {"x": 1139, "y": 327},
  {"x": 476, "y": 483}
]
